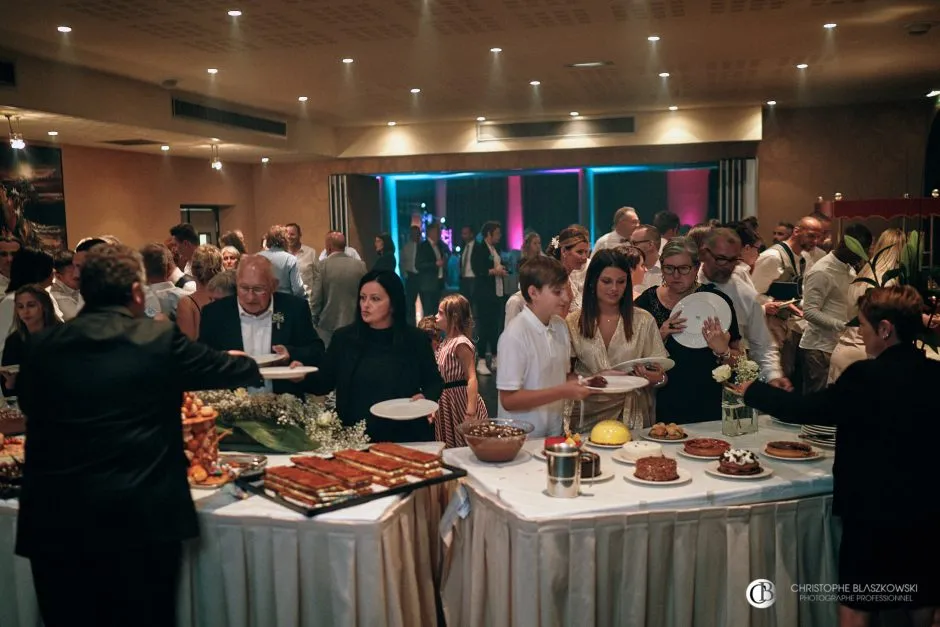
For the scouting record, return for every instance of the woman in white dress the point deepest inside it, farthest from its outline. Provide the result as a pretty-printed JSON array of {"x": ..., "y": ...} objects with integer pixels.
[
  {"x": 607, "y": 331},
  {"x": 572, "y": 247}
]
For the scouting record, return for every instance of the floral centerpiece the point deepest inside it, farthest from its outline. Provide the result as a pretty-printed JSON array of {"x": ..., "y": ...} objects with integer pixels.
[
  {"x": 283, "y": 422},
  {"x": 736, "y": 417}
]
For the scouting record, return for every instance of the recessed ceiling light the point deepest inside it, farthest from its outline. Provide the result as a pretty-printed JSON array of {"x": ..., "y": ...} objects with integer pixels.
[
  {"x": 53, "y": 133},
  {"x": 265, "y": 159},
  {"x": 416, "y": 90},
  {"x": 664, "y": 75},
  {"x": 234, "y": 13},
  {"x": 213, "y": 70},
  {"x": 535, "y": 83},
  {"x": 591, "y": 64},
  {"x": 802, "y": 66},
  {"x": 302, "y": 98},
  {"x": 573, "y": 114},
  {"x": 348, "y": 60},
  {"x": 934, "y": 93},
  {"x": 481, "y": 119},
  {"x": 496, "y": 49},
  {"x": 64, "y": 29},
  {"x": 164, "y": 148},
  {"x": 771, "y": 103},
  {"x": 215, "y": 139},
  {"x": 653, "y": 38},
  {"x": 673, "y": 108},
  {"x": 392, "y": 123},
  {"x": 830, "y": 25}
]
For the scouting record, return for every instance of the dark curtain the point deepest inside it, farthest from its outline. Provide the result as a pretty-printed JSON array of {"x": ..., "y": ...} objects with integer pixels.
[
  {"x": 713, "y": 183},
  {"x": 645, "y": 191},
  {"x": 475, "y": 200},
  {"x": 410, "y": 196},
  {"x": 550, "y": 203}
]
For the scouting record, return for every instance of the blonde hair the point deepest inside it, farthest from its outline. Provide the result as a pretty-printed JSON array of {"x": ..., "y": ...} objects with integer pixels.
[
  {"x": 206, "y": 263},
  {"x": 457, "y": 316},
  {"x": 892, "y": 239}
]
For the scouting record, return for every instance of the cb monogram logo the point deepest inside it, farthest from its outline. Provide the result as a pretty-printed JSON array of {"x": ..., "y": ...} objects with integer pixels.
[{"x": 761, "y": 593}]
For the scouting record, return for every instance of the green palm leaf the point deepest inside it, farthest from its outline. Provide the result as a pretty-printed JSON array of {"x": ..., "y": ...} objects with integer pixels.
[{"x": 855, "y": 246}]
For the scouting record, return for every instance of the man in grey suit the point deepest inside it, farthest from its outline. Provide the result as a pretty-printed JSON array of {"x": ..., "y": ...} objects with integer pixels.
[{"x": 335, "y": 288}]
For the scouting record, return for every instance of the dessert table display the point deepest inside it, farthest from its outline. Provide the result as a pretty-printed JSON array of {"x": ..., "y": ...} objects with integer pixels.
[
  {"x": 629, "y": 553},
  {"x": 260, "y": 564}
]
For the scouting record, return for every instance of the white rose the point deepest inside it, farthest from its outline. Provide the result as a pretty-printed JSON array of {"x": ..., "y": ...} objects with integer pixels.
[
  {"x": 722, "y": 373},
  {"x": 325, "y": 418}
]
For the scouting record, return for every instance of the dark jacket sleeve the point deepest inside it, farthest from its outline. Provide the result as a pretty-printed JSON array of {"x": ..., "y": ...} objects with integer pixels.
[
  {"x": 14, "y": 351},
  {"x": 830, "y": 406},
  {"x": 324, "y": 381},
  {"x": 385, "y": 262},
  {"x": 210, "y": 322},
  {"x": 306, "y": 346},
  {"x": 431, "y": 382},
  {"x": 198, "y": 367},
  {"x": 425, "y": 261},
  {"x": 480, "y": 261}
]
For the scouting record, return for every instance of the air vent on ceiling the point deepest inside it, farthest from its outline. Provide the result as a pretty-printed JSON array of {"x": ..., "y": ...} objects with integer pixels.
[
  {"x": 132, "y": 142},
  {"x": 7, "y": 74},
  {"x": 496, "y": 131},
  {"x": 196, "y": 111}
]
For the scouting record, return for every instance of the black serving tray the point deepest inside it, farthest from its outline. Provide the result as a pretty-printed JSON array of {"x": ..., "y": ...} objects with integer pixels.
[{"x": 256, "y": 486}]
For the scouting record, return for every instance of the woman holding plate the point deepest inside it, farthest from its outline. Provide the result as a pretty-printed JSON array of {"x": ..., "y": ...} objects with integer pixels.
[
  {"x": 380, "y": 357},
  {"x": 693, "y": 396},
  {"x": 609, "y": 330}
]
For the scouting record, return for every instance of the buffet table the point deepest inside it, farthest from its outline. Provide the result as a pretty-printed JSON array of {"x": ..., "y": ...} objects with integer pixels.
[
  {"x": 627, "y": 554},
  {"x": 259, "y": 564}
]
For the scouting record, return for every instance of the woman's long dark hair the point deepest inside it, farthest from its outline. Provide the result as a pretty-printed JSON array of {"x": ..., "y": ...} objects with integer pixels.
[
  {"x": 388, "y": 244},
  {"x": 48, "y": 309},
  {"x": 393, "y": 286},
  {"x": 30, "y": 265},
  {"x": 590, "y": 309}
]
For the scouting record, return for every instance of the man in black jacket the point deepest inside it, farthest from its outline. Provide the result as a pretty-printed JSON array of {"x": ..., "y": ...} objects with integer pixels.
[
  {"x": 259, "y": 321},
  {"x": 105, "y": 504},
  {"x": 431, "y": 263}
]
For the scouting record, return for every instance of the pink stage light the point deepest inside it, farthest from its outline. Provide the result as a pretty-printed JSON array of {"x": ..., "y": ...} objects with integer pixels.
[{"x": 514, "y": 225}]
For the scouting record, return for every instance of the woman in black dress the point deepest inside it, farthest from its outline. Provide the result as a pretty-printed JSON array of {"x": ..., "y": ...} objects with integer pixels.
[
  {"x": 34, "y": 312},
  {"x": 380, "y": 357},
  {"x": 885, "y": 410},
  {"x": 385, "y": 249},
  {"x": 692, "y": 394}
]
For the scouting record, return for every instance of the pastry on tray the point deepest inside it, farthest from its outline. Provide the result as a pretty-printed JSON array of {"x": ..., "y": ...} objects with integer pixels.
[
  {"x": 706, "y": 447},
  {"x": 656, "y": 469},
  {"x": 419, "y": 463},
  {"x": 786, "y": 448},
  {"x": 303, "y": 487},
  {"x": 590, "y": 465},
  {"x": 663, "y": 431},
  {"x": 738, "y": 461},
  {"x": 384, "y": 471},
  {"x": 351, "y": 477}
]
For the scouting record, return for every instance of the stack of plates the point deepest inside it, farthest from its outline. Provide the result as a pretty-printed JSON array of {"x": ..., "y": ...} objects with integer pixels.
[{"x": 816, "y": 434}]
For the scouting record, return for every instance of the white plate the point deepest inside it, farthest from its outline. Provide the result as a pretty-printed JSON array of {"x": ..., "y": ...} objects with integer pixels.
[
  {"x": 620, "y": 459},
  {"x": 404, "y": 409},
  {"x": 587, "y": 442},
  {"x": 285, "y": 372},
  {"x": 618, "y": 384},
  {"x": 606, "y": 475},
  {"x": 263, "y": 360},
  {"x": 713, "y": 471},
  {"x": 785, "y": 424},
  {"x": 721, "y": 308},
  {"x": 818, "y": 455},
  {"x": 647, "y": 436},
  {"x": 700, "y": 458},
  {"x": 695, "y": 308},
  {"x": 11, "y": 369},
  {"x": 684, "y": 477},
  {"x": 663, "y": 362},
  {"x": 818, "y": 442}
]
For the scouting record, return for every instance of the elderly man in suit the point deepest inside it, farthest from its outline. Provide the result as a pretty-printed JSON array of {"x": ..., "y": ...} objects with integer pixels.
[
  {"x": 431, "y": 263},
  {"x": 107, "y": 448},
  {"x": 259, "y": 320},
  {"x": 335, "y": 290}
]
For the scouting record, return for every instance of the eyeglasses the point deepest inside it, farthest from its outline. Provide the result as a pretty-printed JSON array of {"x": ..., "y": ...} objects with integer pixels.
[
  {"x": 723, "y": 261},
  {"x": 257, "y": 290},
  {"x": 682, "y": 270},
  {"x": 641, "y": 241}
]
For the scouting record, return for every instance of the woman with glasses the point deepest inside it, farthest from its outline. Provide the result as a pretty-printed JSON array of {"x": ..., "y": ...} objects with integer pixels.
[{"x": 693, "y": 396}]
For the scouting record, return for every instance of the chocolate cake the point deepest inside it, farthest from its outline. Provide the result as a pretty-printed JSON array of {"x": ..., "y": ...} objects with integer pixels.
[{"x": 656, "y": 469}]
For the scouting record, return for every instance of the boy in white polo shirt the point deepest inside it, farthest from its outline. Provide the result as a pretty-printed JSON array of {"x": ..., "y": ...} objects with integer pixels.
[{"x": 535, "y": 352}]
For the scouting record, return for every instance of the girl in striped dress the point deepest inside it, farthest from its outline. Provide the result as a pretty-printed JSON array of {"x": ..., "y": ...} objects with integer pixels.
[{"x": 460, "y": 400}]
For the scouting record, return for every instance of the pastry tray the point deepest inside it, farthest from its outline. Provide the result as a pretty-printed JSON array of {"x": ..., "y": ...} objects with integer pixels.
[{"x": 255, "y": 485}]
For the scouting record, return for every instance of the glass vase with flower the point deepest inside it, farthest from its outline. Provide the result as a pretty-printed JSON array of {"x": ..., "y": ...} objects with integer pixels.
[{"x": 736, "y": 417}]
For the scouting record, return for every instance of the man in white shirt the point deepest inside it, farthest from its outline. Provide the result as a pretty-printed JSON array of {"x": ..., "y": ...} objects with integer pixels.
[
  {"x": 534, "y": 376},
  {"x": 349, "y": 252},
  {"x": 187, "y": 241},
  {"x": 430, "y": 261},
  {"x": 826, "y": 307},
  {"x": 284, "y": 264},
  {"x": 720, "y": 254},
  {"x": 782, "y": 232},
  {"x": 409, "y": 272},
  {"x": 625, "y": 221},
  {"x": 65, "y": 285},
  {"x": 466, "y": 268},
  {"x": 667, "y": 223},
  {"x": 9, "y": 246},
  {"x": 647, "y": 239},
  {"x": 306, "y": 255},
  {"x": 157, "y": 262}
]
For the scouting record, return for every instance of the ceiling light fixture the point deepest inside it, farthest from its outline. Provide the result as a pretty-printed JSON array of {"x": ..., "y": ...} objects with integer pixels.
[
  {"x": 64, "y": 29},
  {"x": 302, "y": 99},
  {"x": 673, "y": 108},
  {"x": 213, "y": 70},
  {"x": 802, "y": 66},
  {"x": 234, "y": 13},
  {"x": 164, "y": 148},
  {"x": 771, "y": 103},
  {"x": 535, "y": 83},
  {"x": 16, "y": 138},
  {"x": 574, "y": 114},
  {"x": 52, "y": 133},
  {"x": 265, "y": 159},
  {"x": 497, "y": 50},
  {"x": 591, "y": 64},
  {"x": 653, "y": 38},
  {"x": 216, "y": 162},
  {"x": 348, "y": 60},
  {"x": 830, "y": 25},
  {"x": 664, "y": 75},
  {"x": 934, "y": 93},
  {"x": 392, "y": 123},
  {"x": 416, "y": 90},
  {"x": 481, "y": 119}
]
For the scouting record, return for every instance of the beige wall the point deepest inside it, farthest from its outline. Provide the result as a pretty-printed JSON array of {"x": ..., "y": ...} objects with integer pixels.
[{"x": 137, "y": 197}]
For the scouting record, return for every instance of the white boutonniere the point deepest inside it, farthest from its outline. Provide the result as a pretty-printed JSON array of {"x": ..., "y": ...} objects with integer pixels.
[
  {"x": 278, "y": 319},
  {"x": 555, "y": 242}
]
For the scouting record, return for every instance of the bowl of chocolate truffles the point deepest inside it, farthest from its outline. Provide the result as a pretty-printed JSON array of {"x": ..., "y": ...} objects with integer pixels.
[{"x": 497, "y": 440}]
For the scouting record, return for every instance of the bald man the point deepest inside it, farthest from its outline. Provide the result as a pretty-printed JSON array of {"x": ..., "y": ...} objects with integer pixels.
[
  {"x": 625, "y": 222},
  {"x": 335, "y": 290},
  {"x": 349, "y": 251},
  {"x": 259, "y": 320}
]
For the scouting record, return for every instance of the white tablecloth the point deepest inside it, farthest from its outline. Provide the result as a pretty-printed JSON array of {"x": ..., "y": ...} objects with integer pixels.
[
  {"x": 259, "y": 564},
  {"x": 637, "y": 555}
]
